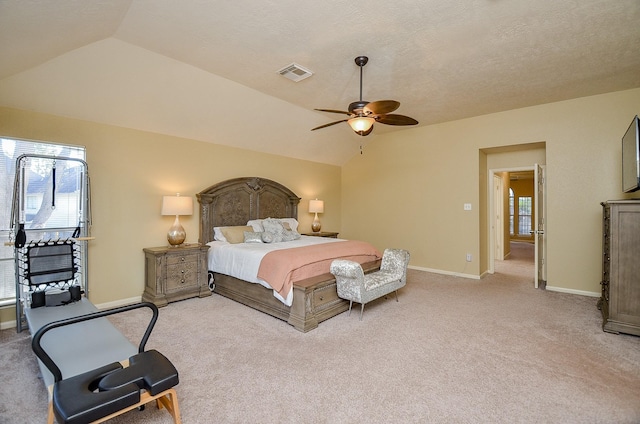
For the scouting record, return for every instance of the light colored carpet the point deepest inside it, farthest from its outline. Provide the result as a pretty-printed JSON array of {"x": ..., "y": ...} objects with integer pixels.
[{"x": 452, "y": 350}]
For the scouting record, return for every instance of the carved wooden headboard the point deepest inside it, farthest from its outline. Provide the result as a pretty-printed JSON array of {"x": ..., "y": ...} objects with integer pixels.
[{"x": 236, "y": 201}]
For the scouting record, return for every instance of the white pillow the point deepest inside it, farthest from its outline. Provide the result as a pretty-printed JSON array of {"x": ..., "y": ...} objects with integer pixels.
[
  {"x": 256, "y": 224},
  {"x": 217, "y": 234}
]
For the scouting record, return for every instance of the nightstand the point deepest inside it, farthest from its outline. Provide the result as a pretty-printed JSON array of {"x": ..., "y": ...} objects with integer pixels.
[
  {"x": 175, "y": 273},
  {"x": 322, "y": 234}
]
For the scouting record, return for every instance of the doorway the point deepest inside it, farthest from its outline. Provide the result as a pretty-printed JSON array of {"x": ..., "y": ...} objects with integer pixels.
[{"x": 516, "y": 222}]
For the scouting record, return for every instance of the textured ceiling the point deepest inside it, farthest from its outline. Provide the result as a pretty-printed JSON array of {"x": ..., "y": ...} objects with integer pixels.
[{"x": 208, "y": 69}]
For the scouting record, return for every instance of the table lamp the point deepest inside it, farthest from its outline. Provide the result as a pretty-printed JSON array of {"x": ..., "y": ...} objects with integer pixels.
[{"x": 177, "y": 205}]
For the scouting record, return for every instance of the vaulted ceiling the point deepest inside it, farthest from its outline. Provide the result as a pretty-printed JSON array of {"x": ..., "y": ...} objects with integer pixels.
[{"x": 207, "y": 70}]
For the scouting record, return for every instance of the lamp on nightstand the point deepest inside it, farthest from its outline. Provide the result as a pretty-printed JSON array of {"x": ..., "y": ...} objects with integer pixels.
[
  {"x": 177, "y": 205},
  {"x": 316, "y": 206}
]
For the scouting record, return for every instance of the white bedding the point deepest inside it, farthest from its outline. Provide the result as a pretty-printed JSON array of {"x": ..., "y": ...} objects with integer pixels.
[{"x": 242, "y": 260}]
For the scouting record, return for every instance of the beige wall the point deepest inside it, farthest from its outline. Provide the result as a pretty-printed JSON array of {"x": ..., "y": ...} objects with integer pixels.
[
  {"x": 408, "y": 188},
  {"x": 130, "y": 172}
]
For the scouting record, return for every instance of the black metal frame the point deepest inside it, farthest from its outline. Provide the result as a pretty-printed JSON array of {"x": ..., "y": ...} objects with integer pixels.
[{"x": 51, "y": 365}]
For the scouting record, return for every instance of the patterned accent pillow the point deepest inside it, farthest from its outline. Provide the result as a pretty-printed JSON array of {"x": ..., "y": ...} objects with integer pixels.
[
  {"x": 268, "y": 237},
  {"x": 252, "y": 237},
  {"x": 276, "y": 228}
]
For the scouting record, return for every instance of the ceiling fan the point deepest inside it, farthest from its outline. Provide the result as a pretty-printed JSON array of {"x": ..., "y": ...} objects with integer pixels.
[{"x": 363, "y": 114}]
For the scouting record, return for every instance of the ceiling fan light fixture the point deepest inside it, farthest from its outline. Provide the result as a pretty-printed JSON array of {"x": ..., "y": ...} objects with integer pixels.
[{"x": 361, "y": 124}]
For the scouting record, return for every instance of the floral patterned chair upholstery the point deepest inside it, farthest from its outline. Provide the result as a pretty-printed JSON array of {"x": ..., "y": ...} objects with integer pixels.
[{"x": 355, "y": 286}]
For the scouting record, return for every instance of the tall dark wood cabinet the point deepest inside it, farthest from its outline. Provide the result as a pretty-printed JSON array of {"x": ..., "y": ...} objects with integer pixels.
[{"x": 620, "y": 301}]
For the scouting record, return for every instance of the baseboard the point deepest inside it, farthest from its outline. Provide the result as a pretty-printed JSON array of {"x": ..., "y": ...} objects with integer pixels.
[
  {"x": 439, "y": 271},
  {"x": 572, "y": 291},
  {"x": 118, "y": 303},
  {"x": 7, "y": 325}
]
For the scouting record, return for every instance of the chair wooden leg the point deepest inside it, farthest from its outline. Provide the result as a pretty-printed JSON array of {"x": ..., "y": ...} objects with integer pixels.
[
  {"x": 350, "y": 305},
  {"x": 397, "y": 296},
  {"x": 361, "y": 311}
]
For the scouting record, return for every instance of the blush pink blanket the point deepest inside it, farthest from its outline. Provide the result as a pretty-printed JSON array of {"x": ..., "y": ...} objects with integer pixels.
[{"x": 281, "y": 268}]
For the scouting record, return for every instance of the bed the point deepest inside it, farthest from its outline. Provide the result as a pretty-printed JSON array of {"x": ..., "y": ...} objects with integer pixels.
[{"x": 237, "y": 201}]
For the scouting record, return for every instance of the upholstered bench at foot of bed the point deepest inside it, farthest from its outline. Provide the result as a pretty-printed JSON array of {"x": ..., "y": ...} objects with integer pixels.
[{"x": 354, "y": 286}]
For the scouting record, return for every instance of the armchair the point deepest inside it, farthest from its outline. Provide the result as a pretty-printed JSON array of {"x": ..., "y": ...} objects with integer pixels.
[{"x": 354, "y": 286}]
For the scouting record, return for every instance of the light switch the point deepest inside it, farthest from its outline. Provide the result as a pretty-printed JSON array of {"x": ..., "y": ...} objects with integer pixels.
[{"x": 467, "y": 206}]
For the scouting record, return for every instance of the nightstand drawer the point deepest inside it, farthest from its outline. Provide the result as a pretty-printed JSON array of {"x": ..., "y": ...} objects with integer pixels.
[
  {"x": 181, "y": 275},
  {"x": 181, "y": 259}
]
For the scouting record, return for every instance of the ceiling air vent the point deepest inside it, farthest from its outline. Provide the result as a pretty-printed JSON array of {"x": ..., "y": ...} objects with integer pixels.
[{"x": 295, "y": 72}]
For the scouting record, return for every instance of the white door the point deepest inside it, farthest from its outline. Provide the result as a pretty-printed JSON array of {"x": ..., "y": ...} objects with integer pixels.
[
  {"x": 498, "y": 212},
  {"x": 539, "y": 230}
]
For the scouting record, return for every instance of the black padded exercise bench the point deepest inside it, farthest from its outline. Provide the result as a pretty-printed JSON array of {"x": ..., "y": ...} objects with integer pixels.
[{"x": 102, "y": 393}]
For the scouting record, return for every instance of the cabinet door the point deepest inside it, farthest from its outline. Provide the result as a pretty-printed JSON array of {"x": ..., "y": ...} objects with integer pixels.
[{"x": 625, "y": 265}]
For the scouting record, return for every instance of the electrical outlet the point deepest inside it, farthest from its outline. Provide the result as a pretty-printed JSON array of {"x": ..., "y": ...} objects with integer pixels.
[
  {"x": 467, "y": 206},
  {"x": 469, "y": 257}
]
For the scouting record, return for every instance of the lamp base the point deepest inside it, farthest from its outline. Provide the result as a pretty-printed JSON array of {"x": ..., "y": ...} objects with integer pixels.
[
  {"x": 176, "y": 235},
  {"x": 315, "y": 226}
]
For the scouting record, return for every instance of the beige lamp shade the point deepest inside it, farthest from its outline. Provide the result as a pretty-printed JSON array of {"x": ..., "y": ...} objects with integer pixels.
[
  {"x": 316, "y": 206},
  {"x": 177, "y": 205}
]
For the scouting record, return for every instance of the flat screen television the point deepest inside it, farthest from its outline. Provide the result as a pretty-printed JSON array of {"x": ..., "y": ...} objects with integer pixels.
[{"x": 631, "y": 157}]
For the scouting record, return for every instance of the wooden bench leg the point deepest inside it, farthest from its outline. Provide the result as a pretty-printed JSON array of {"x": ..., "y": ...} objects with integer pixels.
[
  {"x": 167, "y": 399},
  {"x": 51, "y": 418},
  {"x": 170, "y": 402}
]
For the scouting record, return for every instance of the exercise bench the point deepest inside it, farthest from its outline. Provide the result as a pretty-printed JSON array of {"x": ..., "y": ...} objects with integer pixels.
[{"x": 112, "y": 389}]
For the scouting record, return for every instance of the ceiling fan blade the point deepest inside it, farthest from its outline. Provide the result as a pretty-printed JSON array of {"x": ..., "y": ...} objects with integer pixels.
[
  {"x": 393, "y": 119},
  {"x": 344, "y": 112},
  {"x": 381, "y": 107},
  {"x": 328, "y": 125}
]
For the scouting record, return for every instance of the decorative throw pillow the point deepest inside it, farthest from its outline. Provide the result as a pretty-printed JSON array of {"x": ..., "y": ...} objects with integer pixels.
[
  {"x": 235, "y": 235},
  {"x": 279, "y": 232},
  {"x": 252, "y": 237},
  {"x": 267, "y": 237},
  {"x": 293, "y": 223}
]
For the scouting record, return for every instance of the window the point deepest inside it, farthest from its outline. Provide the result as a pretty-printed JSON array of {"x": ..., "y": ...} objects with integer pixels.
[
  {"x": 53, "y": 218},
  {"x": 520, "y": 219},
  {"x": 524, "y": 216},
  {"x": 511, "y": 212}
]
